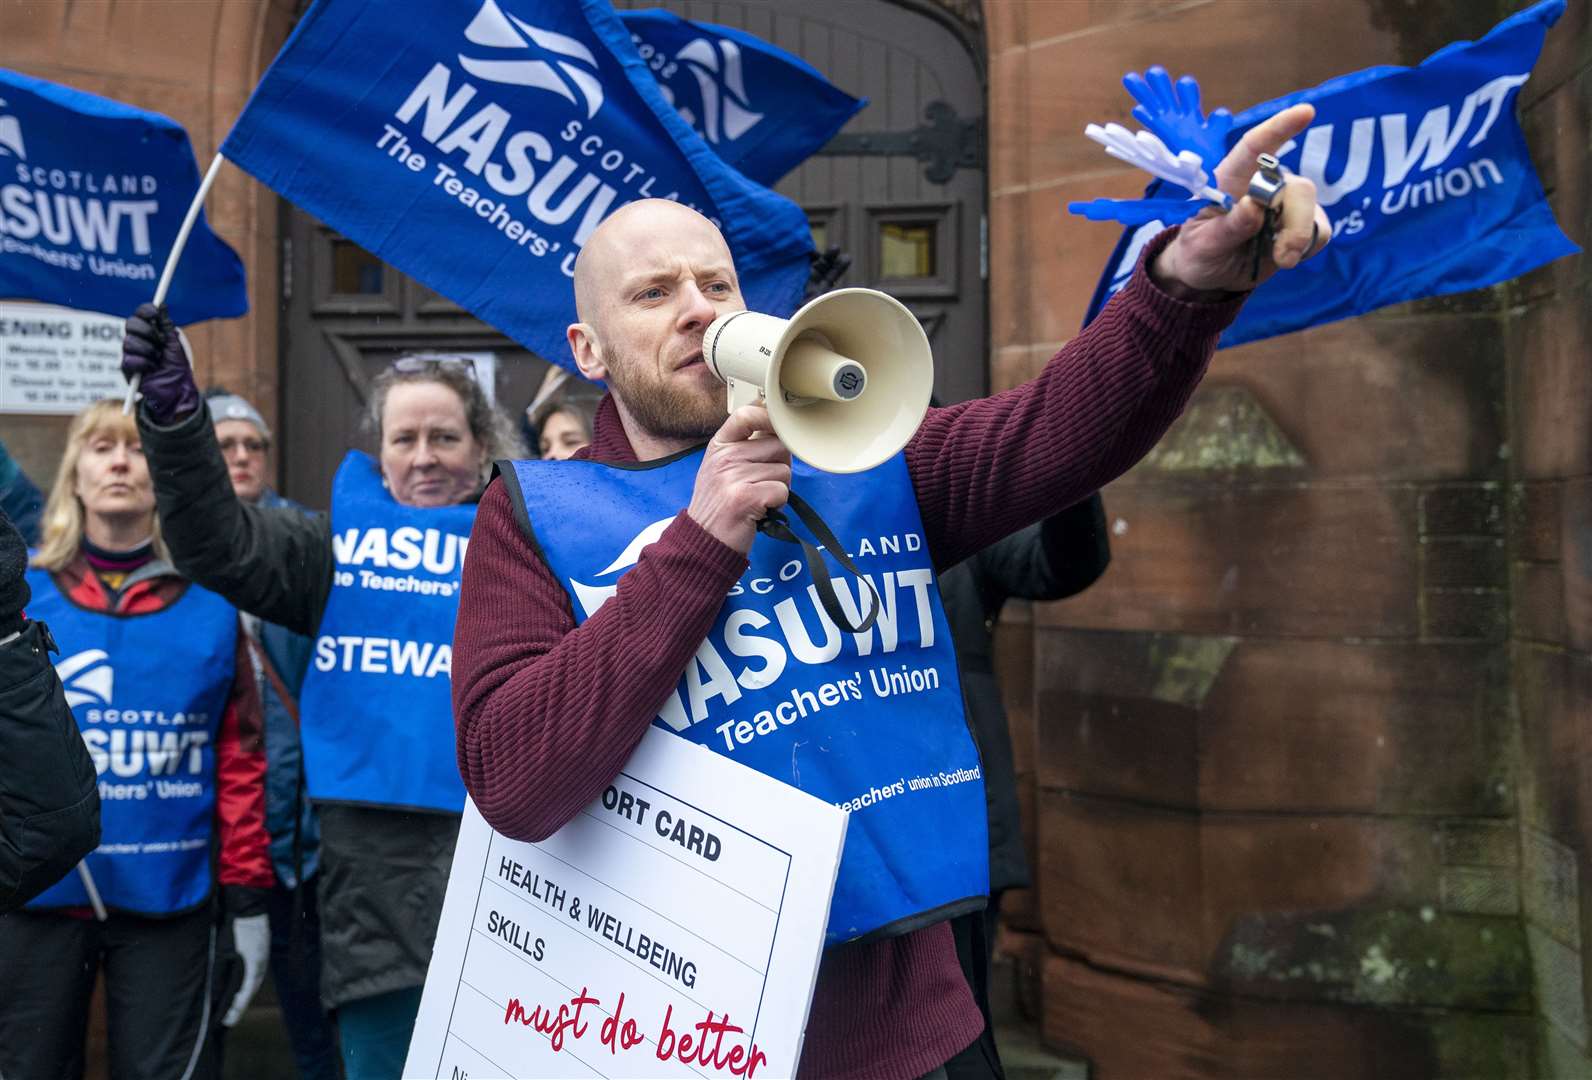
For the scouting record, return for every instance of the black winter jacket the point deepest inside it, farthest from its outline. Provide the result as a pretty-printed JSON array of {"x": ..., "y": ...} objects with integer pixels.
[
  {"x": 383, "y": 871},
  {"x": 1059, "y": 557},
  {"x": 49, "y": 799}
]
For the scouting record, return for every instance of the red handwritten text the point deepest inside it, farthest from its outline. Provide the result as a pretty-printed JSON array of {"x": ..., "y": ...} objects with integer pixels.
[
  {"x": 702, "y": 1044},
  {"x": 738, "y": 1062},
  {"x": 554, "y": 1026},
  {"x": 620, "y": 1037}
]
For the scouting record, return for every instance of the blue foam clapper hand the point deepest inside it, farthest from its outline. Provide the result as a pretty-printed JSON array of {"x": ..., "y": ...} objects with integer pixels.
[
  {"x": 1139, "y": 211},
  {"x": 1174, "y": 115}
]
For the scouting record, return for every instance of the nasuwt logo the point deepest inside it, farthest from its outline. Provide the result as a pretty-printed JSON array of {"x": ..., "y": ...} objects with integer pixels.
[
  {"x": 88, "y": 678},
  {"x": 593, "y": 597},
  {"x": 549, "y": 177},
  {"x": 515, "y": 44},
  {"x": 726, "y": 110},
  {"x": 11, "y": 136},
  {"x": 132, "y": 743},
  {"x": 773, "y": 621},
  {"x": 66, "y": 208},
  {"x": 1432, "y": 164},
  {"x": 1434, "y": 141}
]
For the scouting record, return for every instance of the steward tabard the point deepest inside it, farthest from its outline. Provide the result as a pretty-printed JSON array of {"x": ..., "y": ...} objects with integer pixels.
[
  {"x": 148, "y": 692},
  {"x": 376, "y": 708},
  {"x": 872, "y": 721}
]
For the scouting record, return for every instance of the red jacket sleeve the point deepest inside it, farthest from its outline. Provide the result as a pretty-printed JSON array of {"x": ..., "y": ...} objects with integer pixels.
[
  {"x": 984, "y": 469},
  {"x": 547, "y": 713},
  {"x": 240, "y": 782}
]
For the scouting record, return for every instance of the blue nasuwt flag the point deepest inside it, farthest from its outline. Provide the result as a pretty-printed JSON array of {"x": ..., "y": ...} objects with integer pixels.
[
  {"x": 762, "y": 109},
  {"x": 484, "y": 146},
  {"x": 92, "y": 194},
  {"x": 1426, "y": 178}
]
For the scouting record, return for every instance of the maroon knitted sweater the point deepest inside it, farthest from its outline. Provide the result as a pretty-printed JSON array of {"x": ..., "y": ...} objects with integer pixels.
[{"x": 548, "y": 712}]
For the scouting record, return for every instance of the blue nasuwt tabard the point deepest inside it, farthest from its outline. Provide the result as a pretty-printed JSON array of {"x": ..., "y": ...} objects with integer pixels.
[
  {"x": 377, "y": 711},
  {"x": 148, "y": 692},
  {"x": 872, "y": 722}
]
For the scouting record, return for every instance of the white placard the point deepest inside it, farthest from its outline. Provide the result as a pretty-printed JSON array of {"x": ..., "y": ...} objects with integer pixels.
[
  {"x": 694, "y": 886},
  {"x": 57, "y": 360}
]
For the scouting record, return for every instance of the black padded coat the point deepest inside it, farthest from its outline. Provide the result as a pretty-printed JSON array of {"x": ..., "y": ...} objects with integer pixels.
[{"x": 49, "y": 797}]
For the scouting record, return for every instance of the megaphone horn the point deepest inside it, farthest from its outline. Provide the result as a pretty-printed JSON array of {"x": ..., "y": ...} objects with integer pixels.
[{"x": 846, "y": 379}]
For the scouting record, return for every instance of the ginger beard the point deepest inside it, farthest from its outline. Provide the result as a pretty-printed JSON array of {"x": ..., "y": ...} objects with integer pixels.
[{"x": 684, "y": 403}]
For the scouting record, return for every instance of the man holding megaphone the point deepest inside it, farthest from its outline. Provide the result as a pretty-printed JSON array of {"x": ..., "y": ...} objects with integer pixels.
[{"x": 655, "y": 578}]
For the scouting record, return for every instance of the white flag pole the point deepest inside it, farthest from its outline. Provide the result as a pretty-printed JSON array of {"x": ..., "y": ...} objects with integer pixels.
[
  {"x": 93, "y": 893},
  {"x": 171, "y": 261}
]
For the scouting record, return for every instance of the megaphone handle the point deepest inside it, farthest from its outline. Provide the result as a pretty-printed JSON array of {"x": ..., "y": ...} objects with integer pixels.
[
  {"x": 776, "y": 525},
  {"x": 741, "y": 392}
]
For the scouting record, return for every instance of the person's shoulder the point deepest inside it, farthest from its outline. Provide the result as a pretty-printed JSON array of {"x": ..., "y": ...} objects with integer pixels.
[
  {"x": 496, "y": 515},
  {"x": 496, "y": 493},
  {"x": 76, "y": 582},
  {"x": 502, "y": 543}
]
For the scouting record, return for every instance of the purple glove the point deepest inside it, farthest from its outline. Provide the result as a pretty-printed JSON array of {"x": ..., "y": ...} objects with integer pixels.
[{"x": 153, "y": 350}]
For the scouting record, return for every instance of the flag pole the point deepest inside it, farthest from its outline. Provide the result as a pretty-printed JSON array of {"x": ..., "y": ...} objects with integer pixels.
[
  {"x": 93, "y": 893},
  {"x": 171, "y": 261}
]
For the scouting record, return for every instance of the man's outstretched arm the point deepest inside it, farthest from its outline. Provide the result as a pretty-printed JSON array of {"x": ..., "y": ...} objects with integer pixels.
[{"x": 984, "y": 469}]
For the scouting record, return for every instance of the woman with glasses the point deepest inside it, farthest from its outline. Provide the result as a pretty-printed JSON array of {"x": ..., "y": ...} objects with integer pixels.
[
  {"x": 157, "y": 678},
  {"x": 376, "y": 587}
]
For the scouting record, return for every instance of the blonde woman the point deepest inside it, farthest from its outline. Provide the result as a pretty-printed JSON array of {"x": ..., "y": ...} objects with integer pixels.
[{"x": 165, "y": 701}]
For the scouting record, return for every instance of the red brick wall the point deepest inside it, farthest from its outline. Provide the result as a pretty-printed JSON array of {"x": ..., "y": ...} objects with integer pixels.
[
  {"x": 1549, "y": 345},
  {"x": 1272, "y": 762}
]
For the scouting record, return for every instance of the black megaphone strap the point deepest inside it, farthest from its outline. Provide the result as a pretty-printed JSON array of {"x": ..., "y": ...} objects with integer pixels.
[{"x": 776, "y": 525}]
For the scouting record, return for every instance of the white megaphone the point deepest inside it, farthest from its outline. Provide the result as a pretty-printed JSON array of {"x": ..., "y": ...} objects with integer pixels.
[{"x": 846, "y": 379}]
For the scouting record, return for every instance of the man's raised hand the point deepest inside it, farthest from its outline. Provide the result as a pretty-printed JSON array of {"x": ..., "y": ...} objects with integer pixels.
[
  {"x": 741, "y": 478},
  {"x": 1214, "y": 252}
]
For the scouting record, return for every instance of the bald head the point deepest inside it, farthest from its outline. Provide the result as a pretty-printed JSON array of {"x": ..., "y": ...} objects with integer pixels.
[
  {"x": 648, "y": 283},
  {"x": 631, "y": 232}
]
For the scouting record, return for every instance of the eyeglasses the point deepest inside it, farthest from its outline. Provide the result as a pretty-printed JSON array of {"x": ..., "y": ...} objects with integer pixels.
[
  {"x": 414, "y": 365},
  {"x": 253, "y": 446}
]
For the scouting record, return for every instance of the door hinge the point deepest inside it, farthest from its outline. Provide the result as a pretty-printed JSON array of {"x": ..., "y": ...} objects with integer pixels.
[{"x": 943, "y": 143}]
